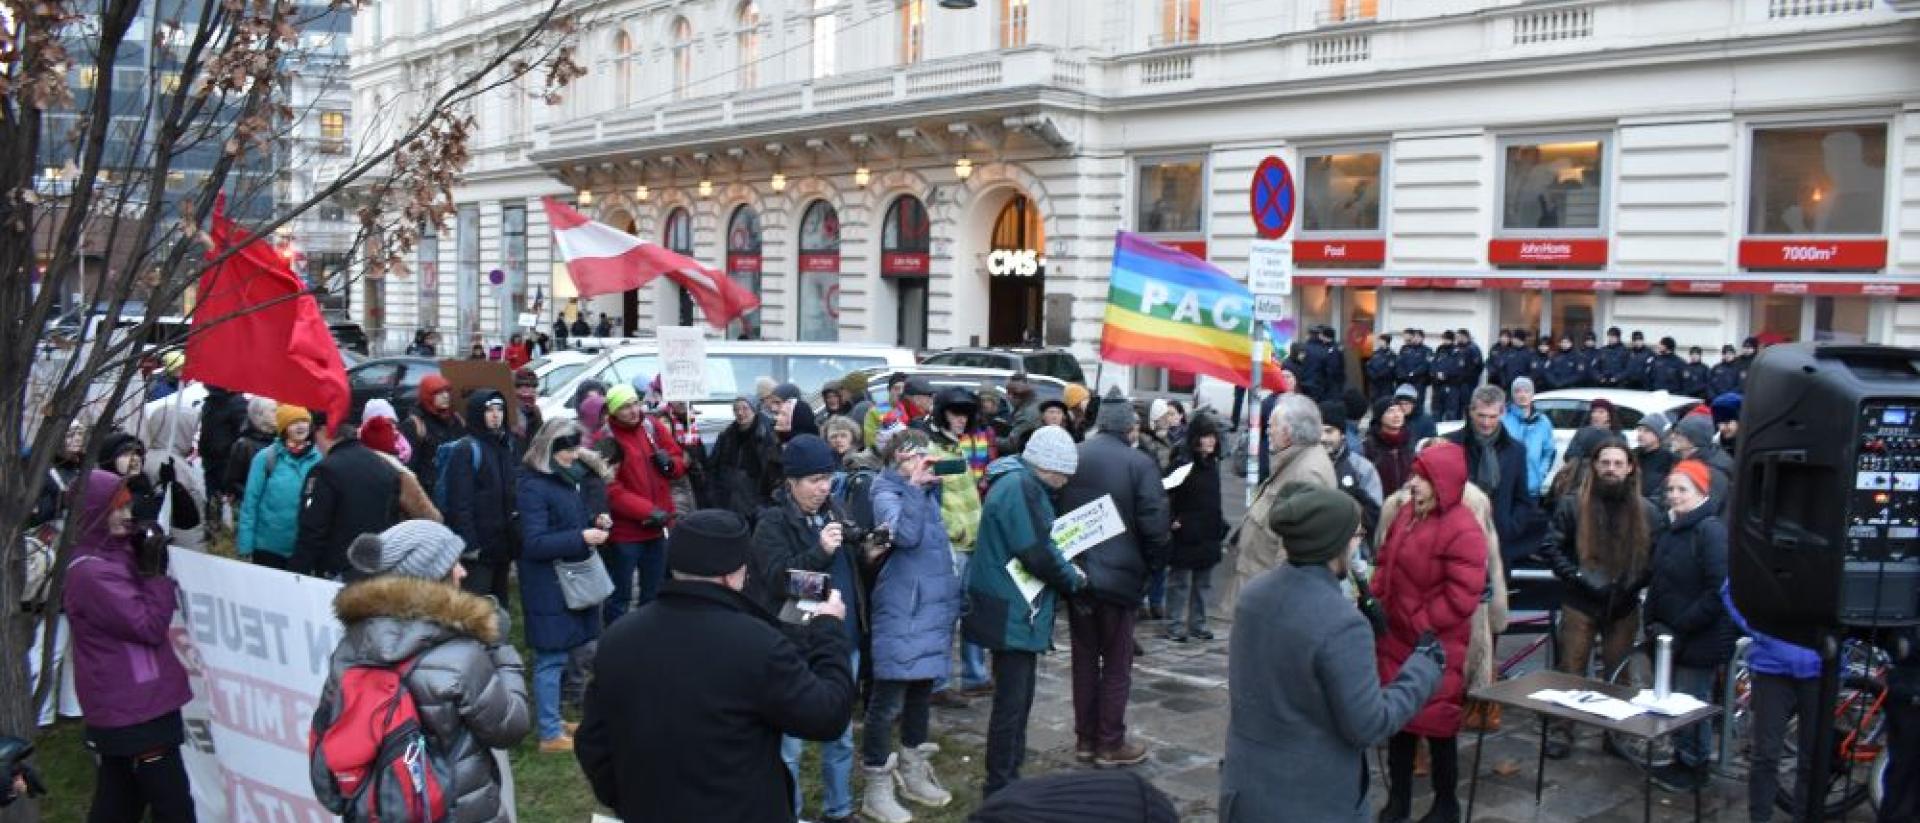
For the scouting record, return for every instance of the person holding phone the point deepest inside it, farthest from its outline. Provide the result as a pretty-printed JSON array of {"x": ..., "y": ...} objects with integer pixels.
[{"x": 916, "y": 601}]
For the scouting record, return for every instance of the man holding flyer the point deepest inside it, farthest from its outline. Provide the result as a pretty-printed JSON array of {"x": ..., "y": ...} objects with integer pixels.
[{"x": 1101, "y": 620}]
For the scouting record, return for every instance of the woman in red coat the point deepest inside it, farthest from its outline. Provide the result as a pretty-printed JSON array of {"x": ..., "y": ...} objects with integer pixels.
[{"x": 1432, "y": 570}]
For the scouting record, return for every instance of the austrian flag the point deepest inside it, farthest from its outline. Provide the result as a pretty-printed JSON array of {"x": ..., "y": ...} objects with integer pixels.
[{"x": 604, "y": 260}]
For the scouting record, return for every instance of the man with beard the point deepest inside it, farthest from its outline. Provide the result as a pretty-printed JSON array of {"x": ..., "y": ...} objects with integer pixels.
[{"x": 1599, "y": 543}]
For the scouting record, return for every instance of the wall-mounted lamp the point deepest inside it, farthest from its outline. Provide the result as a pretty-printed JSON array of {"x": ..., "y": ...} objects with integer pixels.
[
  {"x": 706, "y": 188},
  {"x": 586, "y": 197},
  {"x": 779, "y": 182},
  {"x": 643, "y": 194},
  {"x": 861, "y": 176},
  {"x": 963, "y": 168}
]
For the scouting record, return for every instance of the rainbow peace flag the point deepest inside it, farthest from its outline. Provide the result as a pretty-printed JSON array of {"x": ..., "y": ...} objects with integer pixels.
[{"x": 1170, "y": 309}]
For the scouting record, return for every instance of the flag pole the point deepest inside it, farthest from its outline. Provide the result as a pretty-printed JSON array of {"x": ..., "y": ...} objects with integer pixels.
[{"x": 1253, "y": 412}]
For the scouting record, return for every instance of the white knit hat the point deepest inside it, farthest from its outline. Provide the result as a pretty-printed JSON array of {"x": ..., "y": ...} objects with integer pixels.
[
  {"x": 1051, "y": 449},
  {"x": 1156, "y": 410}
]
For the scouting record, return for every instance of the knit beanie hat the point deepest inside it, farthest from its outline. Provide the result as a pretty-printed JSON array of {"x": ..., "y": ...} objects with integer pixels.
[
  {"x": 1697, "y": 473},
  {"x": 378, "y": 407},
  {"x": 380, "y": 435},
  {"x": 1696, "y": 429},
  {"x": 1050, "y": 448},
  {"x": 787, "y": 391},
  {"x": 807, "y": 455},
  {"x": 1522, "y": 383},
  {"x": 620, "y": 397},
  {"x": 1656, "y": 423},
  {"x": 1075, "y": 394},
  {"x": 1333, "y": 413},
  {"x": 1406, "y": 391},
  {"x": 1315, "y": 523},
  {"x": 1116, "y": 413},
  {"x": 413, "y": 548},
  {"x": 708, "y": 543},
  {"x": 524, "y": 376},
  {"x": 289, "y": 414},
  {"x": 1157, "y": 409},
  {"x": 1726, "y": 408}
]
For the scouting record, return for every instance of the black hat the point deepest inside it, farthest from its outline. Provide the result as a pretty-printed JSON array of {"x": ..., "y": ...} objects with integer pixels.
[
  {"x": 1728, "y": 349},
  {"x": 1613, "y": 331},
  {"x": 1333, "y": 413},
  {"x": 787, "y": 391},
  {"x": 1447, "y": 335},
  {"x": 708, "y": 543},
  {"x": 919, "y": 387},
  {"x": 1637, "y": 335},
  {"x": 1589, "y": 337},
  {"x": 1412, "y": 330},
  {"x": 1387, "y": 337},
  {"x": 1693, "y": 350},
  {"x": 1750, "y": 343},
  {"x": 1506, "y": 332},
  {"x": 1466, "y": 334},
  {"x": 807, "y": 455}
]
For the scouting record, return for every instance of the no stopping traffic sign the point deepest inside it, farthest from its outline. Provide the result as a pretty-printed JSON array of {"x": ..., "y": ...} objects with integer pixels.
[{"x": 1272, "y": 198}]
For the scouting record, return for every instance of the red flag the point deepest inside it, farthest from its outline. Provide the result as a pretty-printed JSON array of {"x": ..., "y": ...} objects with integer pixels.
[
  {"x": 604, "y": 260},
  {"x": 257, "y": 330}
]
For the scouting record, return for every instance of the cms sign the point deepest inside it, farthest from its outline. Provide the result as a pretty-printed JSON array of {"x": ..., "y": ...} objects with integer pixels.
[{"x": 1015, "y": 262}]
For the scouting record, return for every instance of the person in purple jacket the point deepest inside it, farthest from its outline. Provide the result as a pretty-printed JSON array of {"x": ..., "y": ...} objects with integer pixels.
[{"x": 120, "y": 602}]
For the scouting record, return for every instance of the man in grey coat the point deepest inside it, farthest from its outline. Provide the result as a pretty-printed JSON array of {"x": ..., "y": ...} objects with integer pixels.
[
  {"x": 1102, "y": 619},
  {"x": 1306, "y": 699}
]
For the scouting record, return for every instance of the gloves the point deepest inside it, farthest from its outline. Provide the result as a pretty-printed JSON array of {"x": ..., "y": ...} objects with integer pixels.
[
  {"x": 1429, "y": 646},
  {"x": 150, "y": 550},
  {"x": 657, "y": 520}
]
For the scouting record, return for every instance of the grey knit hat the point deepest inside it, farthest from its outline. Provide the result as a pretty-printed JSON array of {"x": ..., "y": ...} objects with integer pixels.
[
  {"x": 1696, "y": 429},
  {"x": 1656, "y": 423},
  {"x": 412, "y": 548},
  {"x": 1051, "y": 449},
  {"x": 1522, "y": 382},
  {"x": 1116, "y": 415}
]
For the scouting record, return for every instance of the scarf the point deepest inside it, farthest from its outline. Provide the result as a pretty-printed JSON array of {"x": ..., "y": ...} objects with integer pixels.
[
  {"x": 1486, "y": 474},
  {"x": 575, "y": 474}
]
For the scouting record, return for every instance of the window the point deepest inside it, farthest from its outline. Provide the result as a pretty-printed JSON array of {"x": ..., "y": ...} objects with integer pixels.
[
  {"x": 1013, "y": 23},
  {"x": 748, "y": 41},
  {"x": 1554, "y": 185},
  {"x": 744, "y": 266},
  {"x": 1818, "y": 180},
  {"x": 913, "y": 31},
  {"x": 1342, "y": 191},
  {"x": 678, "y": 238},
  {"x": 513, "y": 241},
  {"x": 333, "y": 125},
  {"x": 1171, "y": 196},
  {"x": 819, "y": 273},
  {"x": 811, "y": 371},
  {"x": 905, "y": 239},
  {"x": 468, "y": 274},
  {"x": 682, "y": 57},
  {"x": 1179, "y": 22},
  {"x": 623, "y": 68},
  {"x": 428, "y": 257},
  {"x": 1349, "y": 11},
  {"x": 823, "y": 38},
  {"x": 169, "y": 82}
]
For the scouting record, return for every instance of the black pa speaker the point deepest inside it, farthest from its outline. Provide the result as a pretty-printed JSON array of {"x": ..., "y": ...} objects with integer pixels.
[{"x": 1825, "y": 516}]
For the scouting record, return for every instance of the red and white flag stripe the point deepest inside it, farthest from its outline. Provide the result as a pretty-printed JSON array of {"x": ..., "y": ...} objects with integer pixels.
[{"x": 604, "y": 260}]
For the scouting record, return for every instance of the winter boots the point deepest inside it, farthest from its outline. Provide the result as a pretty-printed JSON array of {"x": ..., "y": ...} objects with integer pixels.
[
  {"x": 917, "y": 780},
  {"x": 879, "y": 804}
]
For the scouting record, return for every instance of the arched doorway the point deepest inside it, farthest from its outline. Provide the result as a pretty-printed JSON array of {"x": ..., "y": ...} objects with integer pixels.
[
  {"x": 678, "y": 238},
  {"x": 1017, "y": 273},
  {"x": 629, "y": 299},
  {"x": 743, "y": 265},
  {"x": 819, "y": 273},
  {"x": 905, "y": 261}
]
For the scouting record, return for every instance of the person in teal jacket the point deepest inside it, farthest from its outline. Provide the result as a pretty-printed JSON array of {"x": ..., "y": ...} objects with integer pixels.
[
  {"x": 1016, "y": 522},
  {"x": 270, "y": 507},
  {"x": 1535, "y": 433}
]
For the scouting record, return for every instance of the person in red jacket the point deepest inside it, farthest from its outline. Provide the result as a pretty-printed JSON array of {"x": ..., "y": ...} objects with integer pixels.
[
  {"x": 1432, "y": 569},
  {"x": 641, "y": 498}
]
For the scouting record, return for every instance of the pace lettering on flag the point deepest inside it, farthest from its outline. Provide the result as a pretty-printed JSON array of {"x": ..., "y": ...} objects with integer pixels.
[
  {"x": 604, "y": 260},
  {"x": 1170, "y": 309}
]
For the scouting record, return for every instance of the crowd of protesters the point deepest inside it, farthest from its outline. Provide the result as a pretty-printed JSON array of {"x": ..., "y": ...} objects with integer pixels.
[{"x": 1368, "y": 575}]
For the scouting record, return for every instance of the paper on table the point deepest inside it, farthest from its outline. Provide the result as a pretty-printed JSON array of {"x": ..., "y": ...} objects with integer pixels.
[
  {"x": 1176, "y": 477},
  {"x": 1676, "y": 704},
  {"x": 1073, "y": 533},
  {"x": 1589, "y": 702}
]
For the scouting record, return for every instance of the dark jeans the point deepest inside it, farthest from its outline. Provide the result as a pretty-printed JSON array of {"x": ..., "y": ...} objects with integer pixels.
[
  {"x": 1187, "y": 599},
  {"x": 1013, "y": 678},
  {"x": 1774, "y": 699},
  {"x": 1446, "y": 770},
  {"x": 649, "y": 559},
  {"x": 1102, "y": 673},
  {"x": 906, "y": 700},
  {"x": 1902, "y": 801},
  {"x": 125, "y": 788},
  {"x": 1694, "y": 745},
  {"x": 489, "y": 577},
  {"x": 270, "y": 560}
]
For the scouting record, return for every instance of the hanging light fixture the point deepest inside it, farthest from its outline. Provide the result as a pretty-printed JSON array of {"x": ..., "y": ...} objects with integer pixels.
[
  {"x": 706, "y": 188},
  {"x": 960, "y": 5},
  {"x": 586, "y": 197},
  {"x": 861, "y": 176},
  {"x": 963, "y": 168},
  {"x": 643, "y": 194},
  {"x": 779, "y": 182}
]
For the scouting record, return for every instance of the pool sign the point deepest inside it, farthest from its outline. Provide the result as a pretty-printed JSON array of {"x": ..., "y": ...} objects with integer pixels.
[{"x": 1272, "y": 198}]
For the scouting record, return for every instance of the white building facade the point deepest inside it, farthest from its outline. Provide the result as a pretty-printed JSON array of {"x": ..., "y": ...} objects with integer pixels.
[{"x": 898, "y": 172}]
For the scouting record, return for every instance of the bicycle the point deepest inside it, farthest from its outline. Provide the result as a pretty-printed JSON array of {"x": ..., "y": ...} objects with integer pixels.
[{"x": 1859, "y": 729}]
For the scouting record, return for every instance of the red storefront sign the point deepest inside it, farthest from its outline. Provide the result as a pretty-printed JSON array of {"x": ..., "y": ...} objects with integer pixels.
[
  {"x": 905, "y": 264},
  {"x": 1197, "y": 248},
  {"x": 820, "y": 262},
  {"x": 743, "y": 263},
  {"x": 1590, "y": 251},
  {"x": 1815, "y": 255},
  {"x": 1321, "y": 279},
  {"x": 1339, "y": 251},
  {"x": 1816, "y": 288}
]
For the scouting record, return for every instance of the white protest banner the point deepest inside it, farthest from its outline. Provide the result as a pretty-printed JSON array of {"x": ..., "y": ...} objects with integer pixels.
[
  {"x": 1073, "y": 533},
  {"x": 683, "y": 364}
]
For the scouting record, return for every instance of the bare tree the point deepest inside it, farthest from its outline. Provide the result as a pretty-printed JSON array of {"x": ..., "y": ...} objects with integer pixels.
[{"x": 228, "y": 97}]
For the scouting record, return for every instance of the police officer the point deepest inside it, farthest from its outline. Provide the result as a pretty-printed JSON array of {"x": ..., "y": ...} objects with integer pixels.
[
  {"x": 1695, "y": 378},
  {"x": 1589, "y": 360},
  {"x": 1565, "y": 368},
  {"x": 1334, "y": 369},
  {"x": 1725, "y": 376},
  {"x": 1666, "y": 372},
  {"x": 1610, "y": 366},
  {"x": 1638, "y": 374},
  {"x": 1497, "y": 358},
  {"x": 1315, "y": 365},
  {"x": 1414, "y": 366},
  {"x": 1473, "y": 365},
  {"x": 1442, "y": 371},
  {"x": 1380, "y": 369}
]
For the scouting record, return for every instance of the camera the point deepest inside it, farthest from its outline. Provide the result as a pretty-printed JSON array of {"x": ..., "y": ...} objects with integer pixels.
[
  {"x": 664, "y": 463},
  {"x": 852, "y": 535}
]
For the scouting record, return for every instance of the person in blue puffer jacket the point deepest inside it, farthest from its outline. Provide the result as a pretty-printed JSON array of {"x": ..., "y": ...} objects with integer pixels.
[
  {"x": 915, "y": 603},
  {"x": 276, "y": 484},
  {"x": 561, "y": 492},
  {"x": 1535, "y": 433},
  {"x": 1786, "y": 682}
]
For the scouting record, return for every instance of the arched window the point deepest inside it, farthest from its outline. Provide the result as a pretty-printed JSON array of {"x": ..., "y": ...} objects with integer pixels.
[
  {"x": 819, "y": 273},
  {"x": 678, "y": 238},
  {"x": 743, "y": 265},
  {"x": 1013, "y": 23},
  {"x": 748, "y": 41},
  {"x": 1179, "y": 22},
  {"x": 913, "y": 31},
  {"x": 905, "y": 239},
  {"x": 623, "y": 68},
  {"x": 823, "y": 38},
  {"x": 682, "y": 57}
]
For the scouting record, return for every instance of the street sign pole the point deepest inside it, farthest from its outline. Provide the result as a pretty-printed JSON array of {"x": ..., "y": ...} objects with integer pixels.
[
  {"x": 1253, "y": 412},
  {"x": 1270, "y": 278}
]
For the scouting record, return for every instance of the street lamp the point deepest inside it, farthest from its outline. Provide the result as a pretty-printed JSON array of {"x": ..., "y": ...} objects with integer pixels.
[
  {"x": 779, "y": 182},
  {"x": 706, "y": 188},
  {"x": 861, "y": 176},
  {"x": 963, "y": 168}
]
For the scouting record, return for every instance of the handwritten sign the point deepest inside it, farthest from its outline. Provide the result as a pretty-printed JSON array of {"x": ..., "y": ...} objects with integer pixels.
[
  {"x": 683, "y": 364},
  {"x": 1073, "y": 533}
]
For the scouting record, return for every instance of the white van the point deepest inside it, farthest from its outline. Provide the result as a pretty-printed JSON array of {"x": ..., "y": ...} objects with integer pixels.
[{"x": 732, "y": 368}]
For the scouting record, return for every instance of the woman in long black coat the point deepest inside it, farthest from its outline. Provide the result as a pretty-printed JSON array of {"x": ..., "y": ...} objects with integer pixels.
[
  {"x": 738, "y": 476},
  {"x": 1199, "y": 526}
]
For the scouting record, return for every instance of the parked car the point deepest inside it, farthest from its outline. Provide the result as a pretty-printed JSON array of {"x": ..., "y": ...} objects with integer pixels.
[
  {"x": 559, "y": 368},
  {"x": 945, "y": 377},
  {"x": 349, "y": 337},
  {"x": 1056, "y": 363},
  {"x": 732, "y": 368},
  {"x": 394, "y": 379}
]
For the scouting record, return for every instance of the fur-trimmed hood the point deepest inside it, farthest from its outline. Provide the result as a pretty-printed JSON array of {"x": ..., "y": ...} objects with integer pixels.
[{"x": 393, "y": 618}]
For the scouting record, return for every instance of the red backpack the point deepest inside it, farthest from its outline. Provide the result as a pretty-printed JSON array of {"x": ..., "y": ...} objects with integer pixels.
[{"x": 369, "y": 756}]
